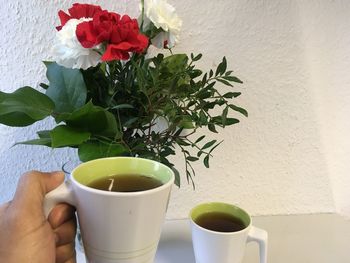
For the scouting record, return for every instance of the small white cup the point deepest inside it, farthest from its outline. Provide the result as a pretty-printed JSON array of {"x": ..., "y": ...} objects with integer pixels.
[
  {"x": 116, "y": 227},
  {"x": 225, "y": 247}
]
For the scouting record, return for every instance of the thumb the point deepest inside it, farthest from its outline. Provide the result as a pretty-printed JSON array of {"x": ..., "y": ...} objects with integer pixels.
[{"x": 32, "y": 188}]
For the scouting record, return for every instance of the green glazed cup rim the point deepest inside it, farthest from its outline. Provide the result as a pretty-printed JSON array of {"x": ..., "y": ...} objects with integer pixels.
[
  {"x": 86, "y": 172},
  {"x": 220, "y": 207}
]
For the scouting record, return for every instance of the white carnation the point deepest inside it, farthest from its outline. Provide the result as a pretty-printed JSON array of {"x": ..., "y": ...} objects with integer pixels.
[
  {"x": 163, "y": 15},
  {"x": 68, "y": 52}
]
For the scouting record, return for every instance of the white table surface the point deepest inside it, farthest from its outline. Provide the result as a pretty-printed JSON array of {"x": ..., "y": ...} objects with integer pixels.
[{"x": 319, "y": 238}]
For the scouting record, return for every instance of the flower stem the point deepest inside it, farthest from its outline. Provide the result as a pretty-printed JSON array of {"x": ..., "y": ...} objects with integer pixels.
[{"x": 142, "y": 14}]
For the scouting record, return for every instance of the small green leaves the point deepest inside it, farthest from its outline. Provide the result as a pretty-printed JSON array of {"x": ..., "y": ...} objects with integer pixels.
[
  {"x": 221, "y": 67},
  {"x": 24, "y": 107},
  {"x": 192, "y": 158},
  {"x": 177, "y": 176},
  {"x": 233, "y": 79},
  {"x": 206, "y": 161},
  {"x": 239, "y": 109},
  {"x": 200, "y": 139},
  {"x": 208, "y": 144},
  {"x": 196, "y": 58},
  {"x": 186, "y": 122},
  {"x": 230, "y": 95}
]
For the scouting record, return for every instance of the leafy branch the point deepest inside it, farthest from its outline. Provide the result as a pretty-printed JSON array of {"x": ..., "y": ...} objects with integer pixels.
[{"x": 146, "y": 107}]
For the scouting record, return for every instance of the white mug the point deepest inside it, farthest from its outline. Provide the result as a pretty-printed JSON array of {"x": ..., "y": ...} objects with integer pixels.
[
  {"x": 224, "y": 247},
  {"x": 116, "y": 227}
]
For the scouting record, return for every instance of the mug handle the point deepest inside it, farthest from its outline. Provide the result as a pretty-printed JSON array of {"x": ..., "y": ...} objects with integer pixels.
[
  {"x": 62, "y": 194},
  {"x": 260, "y": 236}
]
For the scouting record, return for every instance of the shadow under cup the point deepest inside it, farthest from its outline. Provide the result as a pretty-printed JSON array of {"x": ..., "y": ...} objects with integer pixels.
[{"x": 120, "y": 227}]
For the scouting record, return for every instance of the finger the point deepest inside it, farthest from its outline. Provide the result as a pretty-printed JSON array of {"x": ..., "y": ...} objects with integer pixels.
[
  {"x": 60, "y": 214},
  {"x": 65, "y": 233},
  {"x": 65, "y": 253},
  {"x": 3, "y": 208},
  {"x": 71, "y": 260},
  {"x": 32, "y": 188}
]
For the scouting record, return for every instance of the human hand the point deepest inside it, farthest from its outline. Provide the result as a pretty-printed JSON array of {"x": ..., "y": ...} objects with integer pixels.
[{"x": 26, "y": 236}]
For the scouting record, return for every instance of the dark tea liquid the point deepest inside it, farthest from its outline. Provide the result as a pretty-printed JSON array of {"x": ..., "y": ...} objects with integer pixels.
[
  {"x": 125, "y": 183},
  {"x": 220, "y": 222}
]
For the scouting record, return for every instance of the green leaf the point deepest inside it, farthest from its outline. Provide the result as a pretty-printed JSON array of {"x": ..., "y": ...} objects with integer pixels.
[
  {"x": 239, "y": 109},
  {"x": 186, "y": 123},
  {"x": 192, "y": 158},
  {"x": 230, "y": 95},
  {"x": 95, "y": 149},
  {"x": 204, "y": 79},
  {"x": 44, "y": 134},
  {"x": 203, "y": 118},
  {"x": 211, "y": 73},
  {"x": 182, "y": 142},
  {"x": 212, "y": 149},
  {"x": 221, "y": 67},
  {"x": 206, "y": 161},
  {"x": 225, "y": 82},
  {"x": 178, "y": 132},
  {"x": 122, "y": 106},
  {"x": 44, "y": 139},
  {"x": 195, "y": 73},
  {"x": 92, "y": 118},
  {"x": 40, "y": 141},
  {"x": 199, "y": 139},
  {"x": 224, "y": 116},
  {"x": 24, "y": 106},
  {"x": 174, "y": 63},
  {"x": 130, "y": 121},
  {"x": 177, "y": 176},
  {"x": 67, "y": 88},
  {"x": 196, "y": 58},
  {"x": 63, "y": 136},
  {"x": 230, "y": 121},
  {"x": 199, "y": 153},
  {"x": 211, "y": 128},
  {"x": 208, "y": 144},
  {"x": 233, "y": 78}
]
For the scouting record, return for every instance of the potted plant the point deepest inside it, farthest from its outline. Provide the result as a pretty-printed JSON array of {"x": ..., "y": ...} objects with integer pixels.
[{"x": 107, "y": 94}]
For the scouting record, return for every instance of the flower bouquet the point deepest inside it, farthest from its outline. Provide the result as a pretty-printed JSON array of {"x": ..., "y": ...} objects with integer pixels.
[{"x": 108, "y": 95}]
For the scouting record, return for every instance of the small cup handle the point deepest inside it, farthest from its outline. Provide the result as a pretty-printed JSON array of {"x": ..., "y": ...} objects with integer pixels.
[
  {"x": 260, "y": 236},
  {"x": 62, "y": 194}
]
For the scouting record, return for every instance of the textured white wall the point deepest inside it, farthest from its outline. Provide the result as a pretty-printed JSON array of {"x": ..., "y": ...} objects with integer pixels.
[{"x": 289, "y": 156}]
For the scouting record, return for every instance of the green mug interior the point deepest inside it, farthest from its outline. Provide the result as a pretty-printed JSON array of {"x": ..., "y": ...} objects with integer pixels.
[
  {"x": 89, "y": 171},
  {"x": 220, "y": 207}
]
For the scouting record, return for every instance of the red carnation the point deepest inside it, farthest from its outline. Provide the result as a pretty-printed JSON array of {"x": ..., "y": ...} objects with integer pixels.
[
  {"x": 78, "y": 11},
  {"x": 121, "y": 34}
]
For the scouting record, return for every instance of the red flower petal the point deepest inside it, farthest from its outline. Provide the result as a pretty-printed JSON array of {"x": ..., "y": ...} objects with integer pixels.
[
  {"x": 113, "y": 52},
  {"x": 63, "y": 18},
  {"x": 78, "y": 11},
  {"x": 143, "y": 43},
  {"x": 120, "y": 34},
  {"x": 83, "y": 10},
  {"x": 86, "y": 34}
]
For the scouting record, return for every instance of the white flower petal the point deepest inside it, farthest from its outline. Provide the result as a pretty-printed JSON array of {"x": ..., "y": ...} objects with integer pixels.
[
  {"x": 163, "y": 15},
  {"x": 68, "y": 52}
]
